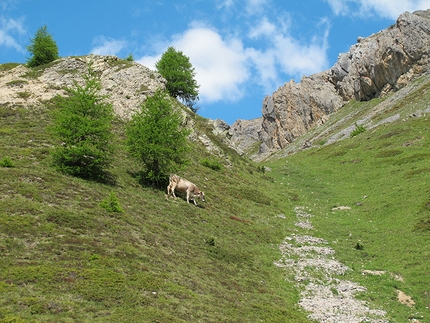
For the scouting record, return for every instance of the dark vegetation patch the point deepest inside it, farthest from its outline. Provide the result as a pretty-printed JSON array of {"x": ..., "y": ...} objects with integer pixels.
[
  {"x": 17, "y": 83},
  {"x": 415, "y": 172},
  {"x": 36, "y": 72},
  {"x": 235, "y": 218},
  {"x": 413, "y": 158},
  {"x": 338, "y": 152},
  {"x": 393, "y": 133},
  {"x": 388, "y": 153},
  {"x": 120, "y": 64},
  {"x": 253, "y": 195},
  {"x": 211, "y": 163}
]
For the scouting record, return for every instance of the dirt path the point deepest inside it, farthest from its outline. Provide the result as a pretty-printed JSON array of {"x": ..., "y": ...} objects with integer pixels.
[{"x": 314, "y": 269}]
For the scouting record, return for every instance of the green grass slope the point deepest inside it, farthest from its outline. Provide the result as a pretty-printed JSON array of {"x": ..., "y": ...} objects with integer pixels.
[
  {"x": 383, "y": 176},
  {"x": 64, "y": 258}
]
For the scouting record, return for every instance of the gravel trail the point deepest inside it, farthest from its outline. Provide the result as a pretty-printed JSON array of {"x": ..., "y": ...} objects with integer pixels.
[{"x": 314, "y": 269}]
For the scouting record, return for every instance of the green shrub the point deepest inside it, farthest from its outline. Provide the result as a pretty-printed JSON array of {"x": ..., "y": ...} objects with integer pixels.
[
  {"x": 358, "y": 129},
  {"x": 8, "y": 66},
  {"x": 111, "y": 204},
  {"x": 6, "y": 162},
  {"x": 17, "y": 83},
  {"x": 130, "y": 58},
  {"x": 210, "y": 163},
  {"x": 24, "y": 95},
  {"x": 359, "y": 246},
  {"x": 210, "y": 242},
  {"x": 388, "y": 153}
]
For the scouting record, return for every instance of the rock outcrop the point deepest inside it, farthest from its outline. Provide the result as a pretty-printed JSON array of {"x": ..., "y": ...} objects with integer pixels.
[
  {"x": 127, "y": 84},
  {"x": 375, "y": 66},
  {"x": 244, "y": 134}
]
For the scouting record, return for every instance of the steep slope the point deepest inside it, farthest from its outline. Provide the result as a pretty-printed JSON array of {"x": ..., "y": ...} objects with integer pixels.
[
  {"x": 409, "y": 102},
  {"x": 65, "y": 258}
]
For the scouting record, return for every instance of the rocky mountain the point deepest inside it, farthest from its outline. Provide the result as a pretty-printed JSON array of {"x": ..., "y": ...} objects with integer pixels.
[{"x": 375, "y": 66}]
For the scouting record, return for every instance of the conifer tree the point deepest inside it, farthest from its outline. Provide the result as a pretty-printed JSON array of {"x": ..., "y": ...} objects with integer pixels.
[
  {"x": 83, "y": 123},
  {"x": 43, "y": 48},
  {"x": 179, "y": 73},
  {"x": 156, "y": 139}
]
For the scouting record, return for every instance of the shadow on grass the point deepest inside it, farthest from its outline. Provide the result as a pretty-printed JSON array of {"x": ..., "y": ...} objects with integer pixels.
[
  {"x": 142, "y": 178},
  {"x": 102, "y": 177}
]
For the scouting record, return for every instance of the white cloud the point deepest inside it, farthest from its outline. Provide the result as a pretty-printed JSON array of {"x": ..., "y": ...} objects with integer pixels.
[
  {"x": 225, "y": 68},
  {"x": 383, "y": 8},
  {"x": 255, "y": 7},
  {"x": 225, "y": 3},
  {"x": 220, "y": 64},
  {"x": 107, "y": 46},
  {"x": 149, "y": 61},
  {"x": 285, "y": 55},
  {"x": 339, "y": 7},
  {"x": 9, "y": 29},
  {"x": 265, "y": 28}
]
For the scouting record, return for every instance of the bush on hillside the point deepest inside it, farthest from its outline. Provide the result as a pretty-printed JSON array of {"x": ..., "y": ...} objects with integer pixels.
[
  {"x": 83, "y": 123},
  {"x": 6, "y": 162},
  {"x": 43, "y": 48},
  {"x": 129, "y": 58},
  {"x": 210, "y": 163},
  {"x": 111, "y": 204},
  {"x": 156, "y": 139},
  {"x": 358, "y": 129}
]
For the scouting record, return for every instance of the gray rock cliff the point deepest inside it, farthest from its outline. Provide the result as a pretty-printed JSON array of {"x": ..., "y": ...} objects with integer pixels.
[{"x": 373, "y": 67}]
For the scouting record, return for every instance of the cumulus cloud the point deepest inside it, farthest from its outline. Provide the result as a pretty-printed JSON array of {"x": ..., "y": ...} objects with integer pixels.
[
  {"x": 285, "y": 55},
  {"x": 384, "y": 8},
  {"x": 10, "y": 29},
  {"x": 149, "y": 61},
  {"x": 226, "y": 68},
  {"x": 264, "y": 28},
  {"x": 220, "y": 64},
  {"x": 255, "y": 7},
  {"x": 107, "y": 46}
]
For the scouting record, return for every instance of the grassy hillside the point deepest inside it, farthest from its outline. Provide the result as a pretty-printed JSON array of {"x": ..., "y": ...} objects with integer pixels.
[
  {"x": 383, "y": 176},
  {"x": 64, "y": 258}
]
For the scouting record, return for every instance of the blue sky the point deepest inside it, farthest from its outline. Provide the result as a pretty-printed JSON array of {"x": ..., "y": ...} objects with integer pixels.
[{"x": 241, "y": 50}]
